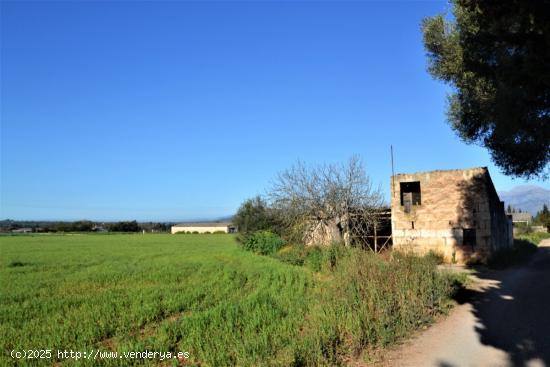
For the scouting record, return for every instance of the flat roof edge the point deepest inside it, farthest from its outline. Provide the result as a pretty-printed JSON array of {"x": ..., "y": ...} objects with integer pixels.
[{"x": 443, "y": 170}]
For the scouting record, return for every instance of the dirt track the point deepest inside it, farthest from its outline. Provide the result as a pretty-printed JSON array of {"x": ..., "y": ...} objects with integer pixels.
[{"x": 505, "y": 321}]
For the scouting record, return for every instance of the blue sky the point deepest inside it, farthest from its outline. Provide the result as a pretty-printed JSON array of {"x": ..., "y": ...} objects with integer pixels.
[{"x": 181, "y": 110}]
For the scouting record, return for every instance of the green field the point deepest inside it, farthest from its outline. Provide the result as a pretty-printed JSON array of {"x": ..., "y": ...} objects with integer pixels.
[{"x": 200, "y": 294}]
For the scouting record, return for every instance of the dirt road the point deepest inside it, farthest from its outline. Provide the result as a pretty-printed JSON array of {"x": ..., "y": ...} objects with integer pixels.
[{"x": 505, "y": 321}]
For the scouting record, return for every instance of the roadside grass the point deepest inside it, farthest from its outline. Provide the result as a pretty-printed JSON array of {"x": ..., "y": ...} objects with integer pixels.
[
  {"x": 524, "y": 246},
  {"x": 534, "y": 237},
  {"x": 205, "y": 295},
  {"x": 368, "y": 303}
]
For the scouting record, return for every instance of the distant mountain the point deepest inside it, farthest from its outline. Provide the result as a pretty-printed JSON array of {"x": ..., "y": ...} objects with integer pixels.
[
  {"x": 224, "y": 219},
  {"x": 528, "y": 198},
  {"x": 227, "y": 219}
]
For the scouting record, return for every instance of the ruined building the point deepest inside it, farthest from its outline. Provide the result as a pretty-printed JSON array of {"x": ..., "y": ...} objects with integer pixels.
[{"x": 456, "y": 213}]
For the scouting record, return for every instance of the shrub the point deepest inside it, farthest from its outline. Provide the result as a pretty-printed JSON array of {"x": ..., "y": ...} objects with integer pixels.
[
  {"x": 219, "y": 232},
  {"x": 522, "y": 228},
  {"x": 314, "y": 258},
  {"x": 369, "y": 302},
  {"x": 253, "y": 215},
  {"x": 263, "y": 242},
  {"x": 292, "y": 254},
  {"x": 16, "y": 264}
]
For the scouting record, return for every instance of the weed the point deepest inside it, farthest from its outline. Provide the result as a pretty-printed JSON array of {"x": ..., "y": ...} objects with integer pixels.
[
  {"x": 16, "y": 264},
  {"x": 263, "y": 243}
]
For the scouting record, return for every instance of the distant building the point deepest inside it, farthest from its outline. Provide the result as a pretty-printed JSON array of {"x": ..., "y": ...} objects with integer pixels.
[
  {"x": 526, "y": 218},
  {"x": 204, "y": 227},
  {"x": 456, "y": 213},
  {"x": 98, "y": 228},
  {"x": 22, "y": 230}
]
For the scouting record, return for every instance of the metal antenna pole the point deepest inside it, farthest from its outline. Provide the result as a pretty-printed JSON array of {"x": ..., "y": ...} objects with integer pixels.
[{"x": 392, "y": 173}]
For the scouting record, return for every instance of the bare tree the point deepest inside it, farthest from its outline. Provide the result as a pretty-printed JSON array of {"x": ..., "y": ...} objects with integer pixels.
[{"x": 326, "y": 203}]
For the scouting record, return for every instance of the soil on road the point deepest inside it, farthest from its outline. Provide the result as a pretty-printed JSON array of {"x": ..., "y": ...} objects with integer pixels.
[{"x": 503, "y": 321}]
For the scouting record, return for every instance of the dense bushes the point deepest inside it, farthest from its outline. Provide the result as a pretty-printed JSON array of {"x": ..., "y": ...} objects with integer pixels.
[
  {"x": 253, "y": 215},
  {"x": 263, "y": 242},
  {"x": 128, "y": 226}
]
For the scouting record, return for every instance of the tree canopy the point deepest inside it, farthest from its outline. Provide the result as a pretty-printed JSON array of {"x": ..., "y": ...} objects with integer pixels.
[
  {"x": 126, "y": 226},
  {"x": 496, "y": 55},
  {"x": 253, "y": 215},
  {"x": 341, "y": 194},
  {"x": 304, "y": 202},
  {"x": 543, "y": 217}
]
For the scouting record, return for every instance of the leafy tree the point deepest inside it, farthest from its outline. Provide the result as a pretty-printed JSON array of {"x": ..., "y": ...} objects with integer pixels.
[
  {"x": 496, "y": 55},
  {"x": 83, "y": 226},
  {"x": 124, "y": 227},
  {"x": 253, "y": 215},
  {"x": 153, "y": 226},
  {"x": 78, "y": 226},
  {"x": 543, "y": 217}
]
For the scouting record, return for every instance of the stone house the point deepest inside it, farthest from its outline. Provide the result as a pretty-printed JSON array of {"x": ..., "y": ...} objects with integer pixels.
[{"x": 456, "y": 213}]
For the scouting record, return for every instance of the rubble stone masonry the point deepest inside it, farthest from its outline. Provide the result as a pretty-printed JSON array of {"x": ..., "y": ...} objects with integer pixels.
[{"x": 460, "y": 215}]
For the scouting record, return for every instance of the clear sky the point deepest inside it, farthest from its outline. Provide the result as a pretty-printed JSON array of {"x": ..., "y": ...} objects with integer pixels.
[{"x": 181, "y": 110}]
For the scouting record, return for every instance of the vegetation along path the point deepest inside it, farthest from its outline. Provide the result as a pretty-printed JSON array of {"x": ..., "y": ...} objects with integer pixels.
[
  {"x": 503, "y": 321},
  {"x": 205, "y": 295}
]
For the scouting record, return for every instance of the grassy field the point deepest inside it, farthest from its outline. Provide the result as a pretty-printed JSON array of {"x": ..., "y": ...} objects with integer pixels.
[{"x": 204, "y": 295}]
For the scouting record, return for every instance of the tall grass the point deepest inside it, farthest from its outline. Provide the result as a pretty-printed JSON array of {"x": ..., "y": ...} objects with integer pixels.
[
  {"x": 524, "y": 246},
  {"x": 370, "y": 302},
  {"x": 205, "y": 295},
  {"x": 534, "y": 237}
]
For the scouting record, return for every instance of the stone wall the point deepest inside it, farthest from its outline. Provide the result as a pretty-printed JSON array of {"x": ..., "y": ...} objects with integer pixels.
[
  {"x": 322, "y": 233},
  {"x": 452, "y": 203}
]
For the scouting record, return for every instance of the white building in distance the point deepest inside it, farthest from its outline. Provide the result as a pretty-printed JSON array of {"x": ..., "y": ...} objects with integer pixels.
[{"x": 205, "y": 227}]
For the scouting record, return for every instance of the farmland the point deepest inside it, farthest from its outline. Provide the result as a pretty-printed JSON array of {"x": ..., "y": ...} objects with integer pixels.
[{"x": 204, "y": 295}]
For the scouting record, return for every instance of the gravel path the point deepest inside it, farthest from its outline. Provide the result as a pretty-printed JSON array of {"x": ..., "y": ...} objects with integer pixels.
[{"x": 504, "y": 321}]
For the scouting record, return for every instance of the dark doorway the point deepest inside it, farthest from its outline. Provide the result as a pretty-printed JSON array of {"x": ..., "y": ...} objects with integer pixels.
[{"x": 469, "y": 236}]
